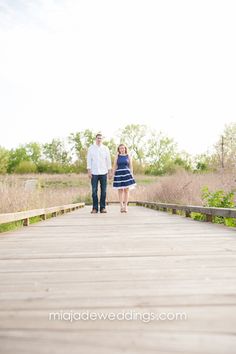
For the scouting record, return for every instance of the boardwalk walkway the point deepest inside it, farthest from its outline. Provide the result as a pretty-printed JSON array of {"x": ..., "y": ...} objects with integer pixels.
[{"x": 142, "y": 262}]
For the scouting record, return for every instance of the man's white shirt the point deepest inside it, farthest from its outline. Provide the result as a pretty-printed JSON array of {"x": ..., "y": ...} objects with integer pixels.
[{"x": 98, "y": 159}]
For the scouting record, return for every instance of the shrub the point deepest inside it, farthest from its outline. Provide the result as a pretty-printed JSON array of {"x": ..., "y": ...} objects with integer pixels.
[
  {"x": 26, "y": 167},
  {"x": 219, "y": 199},
  {"x": 53, "y": 167},
  {"x": 137, "y": 167}
]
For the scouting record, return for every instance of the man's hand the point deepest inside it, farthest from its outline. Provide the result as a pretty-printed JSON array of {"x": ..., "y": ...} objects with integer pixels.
[
  {"x": 89, "y": 174},
  {"x": 110, "y": 174}
]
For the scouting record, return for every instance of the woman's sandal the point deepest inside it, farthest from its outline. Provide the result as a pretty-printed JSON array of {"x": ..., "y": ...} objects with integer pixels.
[{"x": 125, "y": 210}]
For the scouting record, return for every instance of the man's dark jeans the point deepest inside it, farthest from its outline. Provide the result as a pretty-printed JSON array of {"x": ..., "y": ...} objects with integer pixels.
[{"x": 103, "y": 185}]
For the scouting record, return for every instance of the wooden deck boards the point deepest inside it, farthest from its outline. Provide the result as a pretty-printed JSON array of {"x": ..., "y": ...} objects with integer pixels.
[{"x": 144, "y": 261}]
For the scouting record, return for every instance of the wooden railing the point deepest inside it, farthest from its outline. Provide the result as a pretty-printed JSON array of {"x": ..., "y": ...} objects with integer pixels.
[
  {"x": 209, "y": 212},
  {"x": 43, "y": 213}
]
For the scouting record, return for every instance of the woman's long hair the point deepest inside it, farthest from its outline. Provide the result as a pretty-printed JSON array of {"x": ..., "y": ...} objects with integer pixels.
[{"x": 118, "y": 149}]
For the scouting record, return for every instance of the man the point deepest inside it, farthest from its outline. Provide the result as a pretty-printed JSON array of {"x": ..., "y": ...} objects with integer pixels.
[{"x": 99, "y": 165}]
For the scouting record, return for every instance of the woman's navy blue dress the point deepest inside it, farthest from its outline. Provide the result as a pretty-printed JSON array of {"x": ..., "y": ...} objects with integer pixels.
[{"x": 123, "y": 177}]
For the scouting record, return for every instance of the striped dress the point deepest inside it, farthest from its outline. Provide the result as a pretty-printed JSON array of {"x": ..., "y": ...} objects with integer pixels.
[{"x": 123, "y": 177}]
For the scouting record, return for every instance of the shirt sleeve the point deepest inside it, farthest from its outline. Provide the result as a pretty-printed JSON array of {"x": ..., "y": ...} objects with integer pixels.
[
  {"x": 108, "y": 159},
  {"x": 89, "y": 159}
]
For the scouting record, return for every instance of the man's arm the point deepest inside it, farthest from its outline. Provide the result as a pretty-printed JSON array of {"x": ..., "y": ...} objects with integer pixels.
[
  {"x": 109, "y": 163},
  {"x": 89, "y": 163}
]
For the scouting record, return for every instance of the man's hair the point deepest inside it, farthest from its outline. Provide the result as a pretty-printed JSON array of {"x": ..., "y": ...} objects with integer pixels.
[{"x": 98, "y": 134}]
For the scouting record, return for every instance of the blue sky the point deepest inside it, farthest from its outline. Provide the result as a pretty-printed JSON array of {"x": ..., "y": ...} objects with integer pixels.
[{"x": 70, "y": 65}]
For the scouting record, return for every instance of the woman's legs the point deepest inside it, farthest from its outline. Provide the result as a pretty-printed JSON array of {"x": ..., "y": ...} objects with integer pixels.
[
  {"x": 120, "y": 194},
  {"x": 126, "y": 198}
]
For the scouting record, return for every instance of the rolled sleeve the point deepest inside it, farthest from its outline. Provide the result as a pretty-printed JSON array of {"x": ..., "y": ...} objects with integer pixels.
[{"x": 89, "y": 160}]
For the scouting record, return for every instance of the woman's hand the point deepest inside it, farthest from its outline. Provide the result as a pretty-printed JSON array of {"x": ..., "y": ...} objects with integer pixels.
[{"x": 110, "y": 174}]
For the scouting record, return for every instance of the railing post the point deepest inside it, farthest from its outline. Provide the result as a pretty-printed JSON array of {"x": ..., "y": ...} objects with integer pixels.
[
  {"x": 208, "y": 217},
  {"x": 26, "y": 222},
  {"x": 187, "y": 213}
]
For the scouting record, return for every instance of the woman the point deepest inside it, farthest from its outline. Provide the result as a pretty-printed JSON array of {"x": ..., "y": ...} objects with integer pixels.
[{"x": 123, "y": 176}]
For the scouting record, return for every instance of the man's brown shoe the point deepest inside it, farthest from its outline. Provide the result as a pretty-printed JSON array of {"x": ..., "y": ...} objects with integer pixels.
[
  {"x": 103, "y": 211},
  {"x": 94, "y": 211}
]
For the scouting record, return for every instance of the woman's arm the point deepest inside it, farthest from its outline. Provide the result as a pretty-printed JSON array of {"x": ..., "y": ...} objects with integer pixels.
[
  {"x": 130, "y": 164},
  {"x": 115, "y": 164}
]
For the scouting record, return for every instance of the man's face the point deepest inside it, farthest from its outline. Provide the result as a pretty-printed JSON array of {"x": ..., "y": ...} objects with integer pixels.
[{"x": 98, "y": 139}]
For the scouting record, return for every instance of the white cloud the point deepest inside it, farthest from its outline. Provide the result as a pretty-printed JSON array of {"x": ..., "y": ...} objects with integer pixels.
[{"x": 70, "y": 65}]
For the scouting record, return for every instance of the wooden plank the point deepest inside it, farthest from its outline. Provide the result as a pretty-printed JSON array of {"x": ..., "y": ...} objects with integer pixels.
[
  {"x": 139, "y": 319},
  {"x": 107, "y": 342},
  {"x": 123, "y": 302},
  {"x": 144, "y": 261}
]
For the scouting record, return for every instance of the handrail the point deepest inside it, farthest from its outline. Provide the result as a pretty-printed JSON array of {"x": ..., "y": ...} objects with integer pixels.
[
  {"x": 188, "y": 209},
  {"x": 27, "y": 214}
]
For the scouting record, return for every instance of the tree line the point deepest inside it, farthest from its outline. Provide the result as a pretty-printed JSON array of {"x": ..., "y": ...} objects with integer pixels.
[{"x": 153, "y": 153}]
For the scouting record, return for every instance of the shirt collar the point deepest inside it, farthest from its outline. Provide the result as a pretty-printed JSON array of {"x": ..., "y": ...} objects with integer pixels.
[{"x": 97, "y": 146}]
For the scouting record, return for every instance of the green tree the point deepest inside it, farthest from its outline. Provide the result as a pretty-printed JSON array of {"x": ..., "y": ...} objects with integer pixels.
[
  {"x": 226, "y": 154},
  {"x": 162, "y": 153},
  {"x": 112, "y": 146},
  {"x": 80, "y": 142},
  {"x": 16, "y": 156},
  {"x": 34, "y": 151},
  {"x": 205, "y": 163},
  {"x": 135, "y": 137},
  {"x": 4, "y": 159},
  {"x": 56, "y": 152},
  {"x": 183, "y": 160}
]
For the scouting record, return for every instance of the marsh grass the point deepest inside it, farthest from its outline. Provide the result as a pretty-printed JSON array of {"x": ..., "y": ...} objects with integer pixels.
[
  {"x": 11, "y": 226},
  {"x": 186, "y": 188},
  {"x": 52, "y": 190}
]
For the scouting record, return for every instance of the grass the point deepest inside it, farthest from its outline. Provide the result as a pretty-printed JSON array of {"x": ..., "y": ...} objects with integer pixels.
[
  {"x": 11, "y": 226},
  {"x": 18, "y": 224},
  {"x": 52, "y": 190},
  {"x": 186, "y": 188},
  {"x": 146, "y": 180}
]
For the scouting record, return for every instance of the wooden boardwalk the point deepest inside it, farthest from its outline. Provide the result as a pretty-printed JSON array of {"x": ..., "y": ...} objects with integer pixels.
[{"x": 144, "y": 262}]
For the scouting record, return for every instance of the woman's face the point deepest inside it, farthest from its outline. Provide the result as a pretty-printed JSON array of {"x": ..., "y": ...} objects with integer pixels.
[{"x": 122, "y": 149}]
